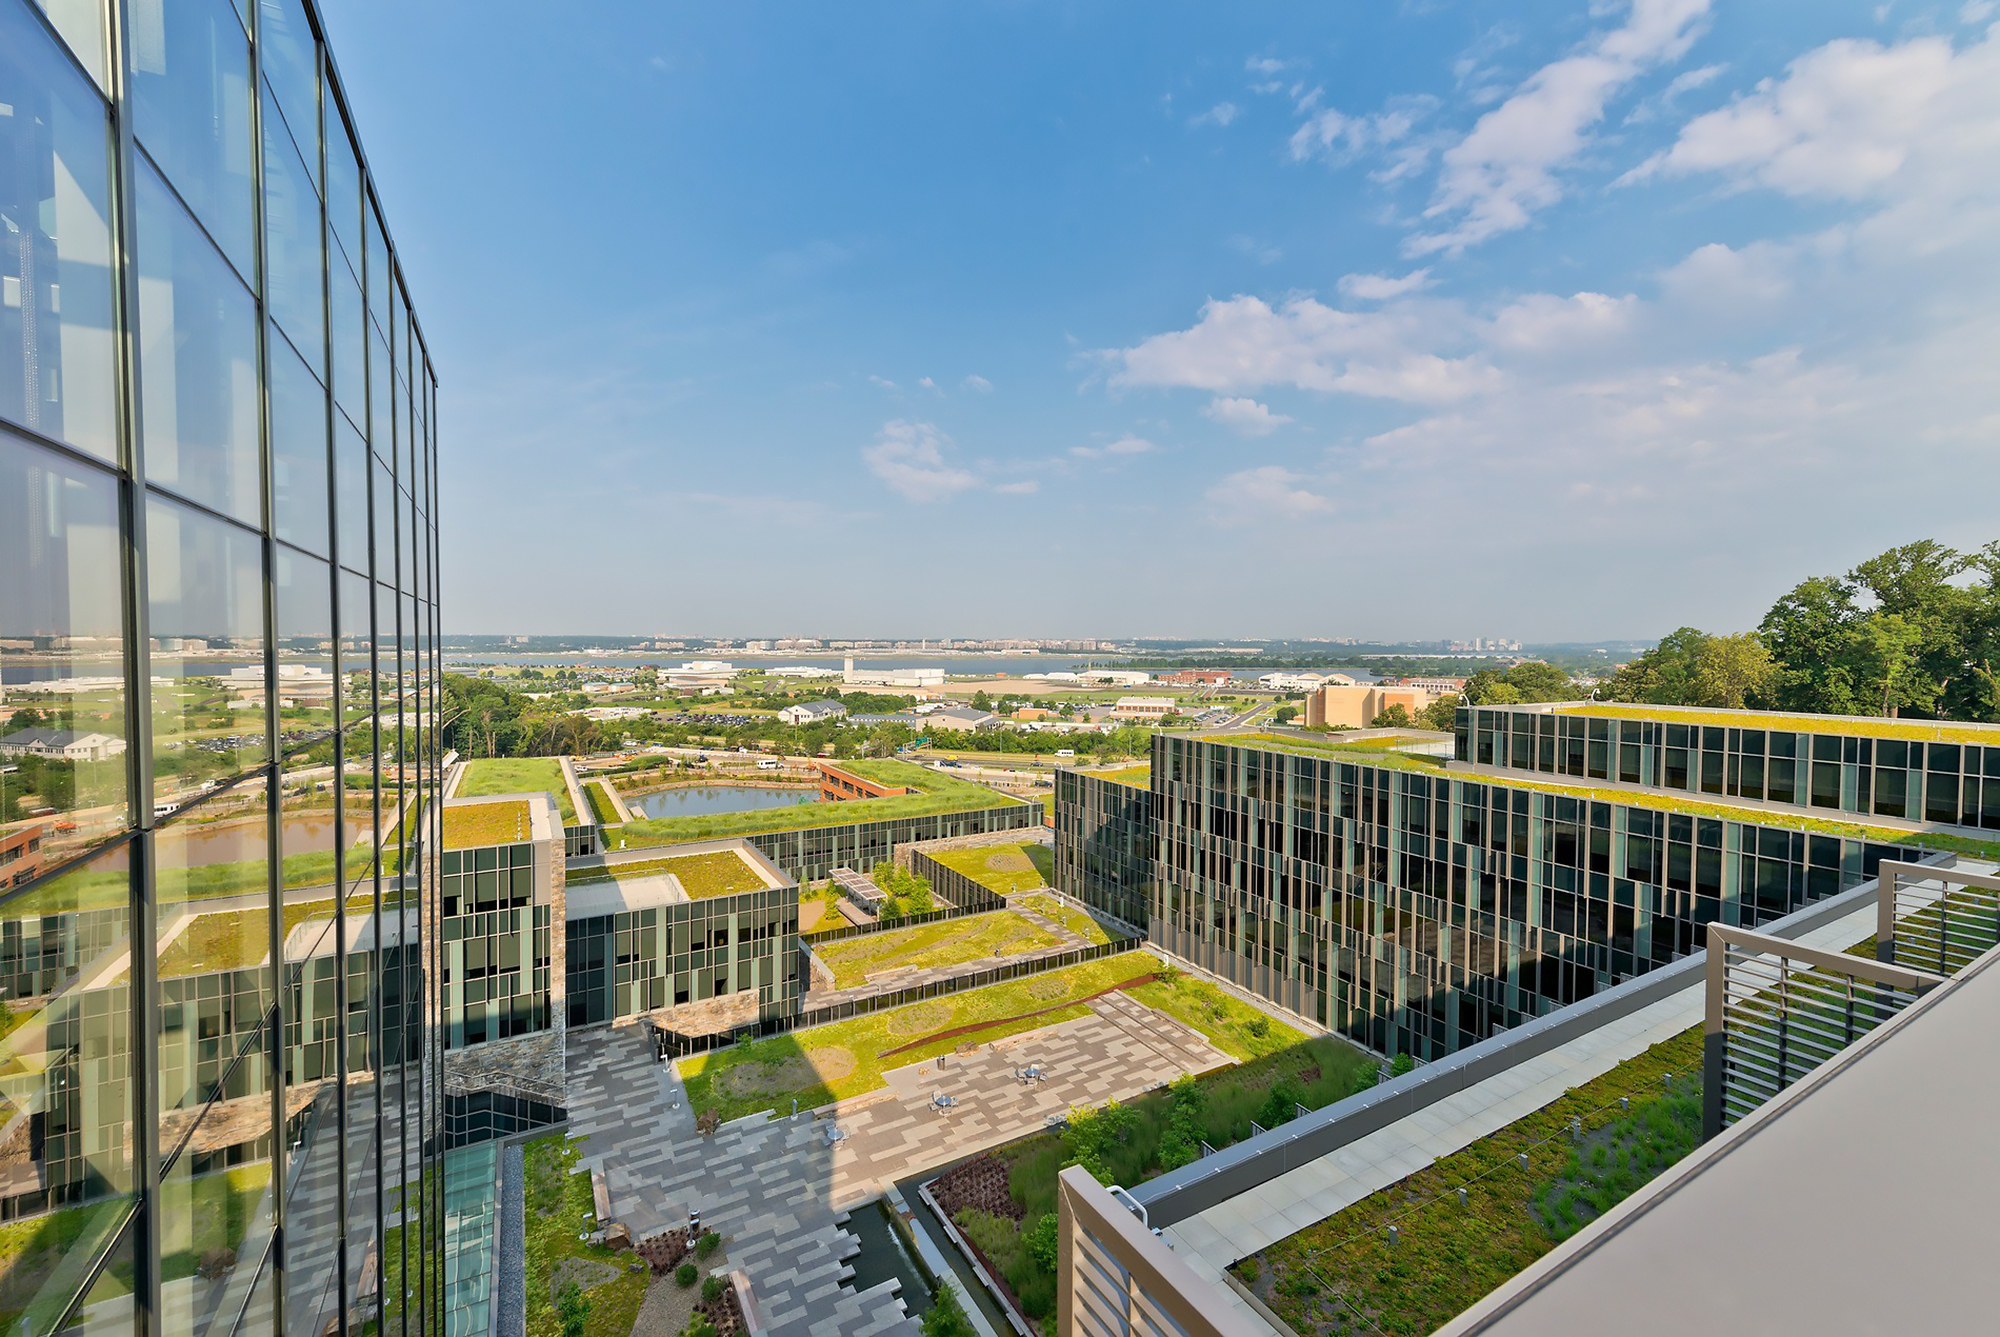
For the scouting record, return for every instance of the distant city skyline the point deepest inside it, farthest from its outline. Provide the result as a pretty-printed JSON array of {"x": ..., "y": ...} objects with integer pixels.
[{"x": 1585, "y": 318}]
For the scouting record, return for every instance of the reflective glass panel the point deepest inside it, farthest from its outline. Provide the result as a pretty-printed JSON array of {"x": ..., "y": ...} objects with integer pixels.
[
  {"x": 357, "y": 648},
  {"x": 381, "y": 411},
  {"x": 294, "y": 244},
  {"x": 197, "y": 362},
  {"x": 215, "y": 1203},
  {"x": 343, "y": 188},
  {"x": 305, "y": 650},
  {"x": 350, "y": 461},
  {"x": 66, "y": 1102},
  {"x": 81, "y": 23},
  {"x": 290, "y": 65},
  {"x": 385, "y": 529},
  {"x": 214, "y": 954},
  {"x": 107, "y": 1307},
  {"x": 350, "y": 342},
  {"x": 377, "y": 275},
  {"x": 56, "y": 347},
  {"x": 206, "y": 591},
  {"x": 191, "y": 99},
  {"x": 62, "y": 752},
  {"x": 298, "y": 451}
]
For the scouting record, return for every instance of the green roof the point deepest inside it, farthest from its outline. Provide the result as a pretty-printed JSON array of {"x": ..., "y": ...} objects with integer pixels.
[
  {"x": 1921, "y": 731},
  {"x": 934, "y": 792}
]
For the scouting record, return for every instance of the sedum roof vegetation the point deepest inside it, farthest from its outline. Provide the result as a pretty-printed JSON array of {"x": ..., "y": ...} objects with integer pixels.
[
  {"x": 933, "y": 792},
  {"x": 1138, "y": 777},
  {"x": 1921, "y": 731},
  {"x": 486, "y": 776},
  {"x": 1848, "y": 827},
  {"x": 473, "y": 825}
]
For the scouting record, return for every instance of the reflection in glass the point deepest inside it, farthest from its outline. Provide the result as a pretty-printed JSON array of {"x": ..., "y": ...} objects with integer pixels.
[
  {"x": 294, "y": 243},
  {"x": 343, "y": 188},
  {"x": 65, "y": 1158},
  {"x": 214, "y": 954},
  {"x": 290, "y": 65},
  {"x": 305, "y": 650},
  {"x": 350, "y": 461},
  {"x": 191, "y": 93},
  {"x": 62, "y": 762},
  {"x": 56, "y": 347},
  {"x": 357, "y": 648},
  {"x": 215, "y": 1210},
  {"x": 350, "y": 343},
  {"x": 385, "y": 527},
  {"x": 377, "y": 274},
  {"x": 298, "y": 451},
  {"x": 381, "y": 412},
  {"x": 205, "y": 582},
  {"x": 81, "y": 23},
  {"x": 197, "y": 362}
]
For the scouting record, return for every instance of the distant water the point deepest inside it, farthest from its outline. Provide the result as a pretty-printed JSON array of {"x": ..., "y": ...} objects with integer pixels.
[{"x": 695, "y": 799}]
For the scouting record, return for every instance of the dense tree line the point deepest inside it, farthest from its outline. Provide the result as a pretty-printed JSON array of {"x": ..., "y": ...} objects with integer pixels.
[
  {"x": 1914, "y": 632},
  {"x": 481, "y": 718}
]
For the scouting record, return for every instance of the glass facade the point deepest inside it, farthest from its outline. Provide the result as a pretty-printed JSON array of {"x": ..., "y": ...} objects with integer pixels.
[
  {"x": 219, "y": 1065},
  {"x": 1421, "y": 910},
  {"x": 637, "y": 961}
]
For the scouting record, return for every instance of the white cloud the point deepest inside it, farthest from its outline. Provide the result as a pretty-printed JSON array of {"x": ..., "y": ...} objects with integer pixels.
[
  {"x": 1976, "y": 11},
  {"x": 1543, "y": 322},
  {"x": 1124, "y": 445},
  {"x": 1721, "y": 278},
  {"x": 1241, "y": 343},
  {"x": 927, "y": 382},
  {"x": 1503, "y": 172},
  {"x": 1245, "y": 417},
  {"x": 1261, "y": 495},
  {"x": 978, "y": 383},
  {"x": 1222, "y": 113},
  {"x": 1265, "y": 65},
  {"x": 1855, "y": 120},
  {"x": 882, "y": 381},
  {"x": 909, "y": 458},
  {"x": 1020, "y": 489},
  {"x": 1381, "y": 287}
]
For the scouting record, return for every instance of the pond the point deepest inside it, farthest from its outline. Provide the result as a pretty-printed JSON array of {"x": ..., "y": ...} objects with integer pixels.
[{"x": 694, "y": 799}]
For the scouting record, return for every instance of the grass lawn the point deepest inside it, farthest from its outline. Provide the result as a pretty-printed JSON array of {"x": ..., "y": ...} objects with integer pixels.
[
  {"x": 1233, "y": 1026},
  {"x": 844, "y": 1058},
  {"x": 947, "y": 943},
  {"x": 470, "y": 827},
  {"x": 1943, "y": 731},
  {"x": 36, "y": 1249},
  {"x": 601, "y": 806},
  {"x": 1002, "y": 868},
  {"x": 935, "y": 793},
  {"x": 517, "y": 775},
  {"x": 720, "y": 873},
  {"x": 1450, "y": 1256},
  {"x": 1076, "y": 921},
  {"x": 557, "y": 1205}
]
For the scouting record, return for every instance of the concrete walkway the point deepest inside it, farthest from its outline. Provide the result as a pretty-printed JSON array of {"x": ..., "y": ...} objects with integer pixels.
[
  {"x": 1213, "y": 1239},
  {"x": 780, "y": 1189}
]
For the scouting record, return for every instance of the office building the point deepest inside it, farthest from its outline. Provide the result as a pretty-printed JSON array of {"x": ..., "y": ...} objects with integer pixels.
[
  {"x": 217, "y": 450},
  {"x": 1420, "y": 904},
  {"x": 1352, "y": 707}
]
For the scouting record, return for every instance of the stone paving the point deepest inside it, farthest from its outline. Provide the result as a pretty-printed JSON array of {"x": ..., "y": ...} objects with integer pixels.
[{"x": 780, "y": 1189}]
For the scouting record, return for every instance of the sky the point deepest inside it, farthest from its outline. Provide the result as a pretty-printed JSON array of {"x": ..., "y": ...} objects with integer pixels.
[{"x": 1552, "y": 319}]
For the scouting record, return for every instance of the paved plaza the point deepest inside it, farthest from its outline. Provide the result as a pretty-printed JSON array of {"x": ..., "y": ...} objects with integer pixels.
[{"x": 780, "y": 1189}]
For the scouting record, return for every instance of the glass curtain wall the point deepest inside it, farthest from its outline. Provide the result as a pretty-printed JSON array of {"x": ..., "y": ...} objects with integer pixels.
[{"x": 218, "y": 659}]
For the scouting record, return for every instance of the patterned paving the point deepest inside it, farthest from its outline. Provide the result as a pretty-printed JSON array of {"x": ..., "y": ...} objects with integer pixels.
[{"x": 780, "y": 1189}]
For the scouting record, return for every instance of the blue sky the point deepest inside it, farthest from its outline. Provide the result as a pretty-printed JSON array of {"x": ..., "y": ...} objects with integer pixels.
[{"x": 1553, "y": 320}]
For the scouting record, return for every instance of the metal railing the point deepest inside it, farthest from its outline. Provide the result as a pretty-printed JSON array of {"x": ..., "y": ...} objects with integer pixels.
[
  {"x": 1777, "y": 1010},
  {"x": 1933, "y": 917}
]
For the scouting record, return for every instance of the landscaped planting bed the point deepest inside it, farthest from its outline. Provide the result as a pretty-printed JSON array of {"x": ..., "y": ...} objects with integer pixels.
[
  {"x": 1344, "y": 1276},
  {"x": 1002, "y": 868},
  {"x": 1004, "y": 1202},
  {"x": 558, "y": 1206},
  {"x": 1076, "y": 921},
  {"x": 845, "y": 1058},
  {"x": 945, "y": 943}
]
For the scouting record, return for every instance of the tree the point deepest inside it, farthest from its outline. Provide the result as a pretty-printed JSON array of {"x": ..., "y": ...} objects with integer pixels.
[
  {"x": 1441, "y": 714},
  {"x": 981, "y": 701},
  {"x": 946, "y": 1316},
  {"x": 1532, "y": 681},
  {"x": 1692, "y": 668},
  {"x": 1395, "y": 717},
  {"x": 1285, "y": 714},
  {"x": 1810, "y": 634}
]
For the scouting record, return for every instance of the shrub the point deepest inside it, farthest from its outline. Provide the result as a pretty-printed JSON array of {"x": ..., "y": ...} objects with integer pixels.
[
  {"x": 1259, "y": 1026},
  {"x": 1401, "y": 1064},
  {"x": 686, "y": 1273},
  {"x": 698, "y": 1326},
  {"x": 707, "y": 1122},
  {"x": 708, "y": 1243},
  {"x": 712, "y": 1289},
  {"x": 572, "y": 1310},
  {"x": 1250, "y": 1268},
  {"x": 1041, "y": 1242},
  {"x": 1281, "y": 1105}
]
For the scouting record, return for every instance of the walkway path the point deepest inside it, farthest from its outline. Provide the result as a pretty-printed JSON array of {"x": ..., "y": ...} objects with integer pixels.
[
  {"x": 780, "y": 1189},
  {"x": 1213, "y": 1239}
]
